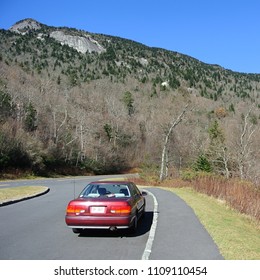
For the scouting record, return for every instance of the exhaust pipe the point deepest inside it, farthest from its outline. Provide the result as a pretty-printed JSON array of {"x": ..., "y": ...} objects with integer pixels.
[{"x": 113, "y": 228}]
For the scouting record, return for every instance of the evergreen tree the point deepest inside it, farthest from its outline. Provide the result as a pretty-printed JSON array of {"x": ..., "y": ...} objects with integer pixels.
[
  {"x": 203, "y": 164},
  {"x": 109, "y": 131},
  {"x": 218, "y": 154},
  {"x": 6, "y": 108},
  {"x": 30, "y": 121},
  {"x": 129, "y": 102}
]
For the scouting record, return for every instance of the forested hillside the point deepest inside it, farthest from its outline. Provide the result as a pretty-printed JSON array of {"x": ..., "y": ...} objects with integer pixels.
[{"x": 109, "y": 108}]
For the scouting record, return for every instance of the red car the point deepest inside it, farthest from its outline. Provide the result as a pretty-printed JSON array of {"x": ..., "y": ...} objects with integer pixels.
[{"x": 106, "y": 205}]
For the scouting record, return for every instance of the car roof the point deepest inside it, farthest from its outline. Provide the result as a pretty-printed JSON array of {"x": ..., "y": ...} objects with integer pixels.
[{"x": 111, "y": 182}]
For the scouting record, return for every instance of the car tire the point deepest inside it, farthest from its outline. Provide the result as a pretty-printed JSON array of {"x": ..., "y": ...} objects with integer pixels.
[
  {"x": 134, "y": 225},
  {"x": 77, "y": 230}
]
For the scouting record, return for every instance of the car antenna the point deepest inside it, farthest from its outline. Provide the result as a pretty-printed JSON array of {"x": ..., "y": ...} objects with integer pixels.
[{"x": 74, "y": 188}]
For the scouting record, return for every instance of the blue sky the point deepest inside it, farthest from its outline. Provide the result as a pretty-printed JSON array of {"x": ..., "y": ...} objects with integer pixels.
[{"x": 223, "y": 32}]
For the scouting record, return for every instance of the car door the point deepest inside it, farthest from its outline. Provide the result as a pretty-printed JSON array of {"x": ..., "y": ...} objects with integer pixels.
[{"x": 139, "y": 200}]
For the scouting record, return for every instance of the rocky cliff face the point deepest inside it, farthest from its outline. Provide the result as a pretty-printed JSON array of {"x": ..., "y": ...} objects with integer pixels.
[
  {"x": 82, "y": 44},
  {"x": 25, "y": 25}
]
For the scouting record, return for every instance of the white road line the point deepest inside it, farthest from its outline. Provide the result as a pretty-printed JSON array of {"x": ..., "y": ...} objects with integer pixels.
[{"x": 149, "y": 243}]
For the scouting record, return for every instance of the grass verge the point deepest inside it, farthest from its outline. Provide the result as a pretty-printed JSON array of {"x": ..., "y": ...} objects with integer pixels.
[
  {"x": 236, "y": 235},
  {"x": 10, "y": 194}
]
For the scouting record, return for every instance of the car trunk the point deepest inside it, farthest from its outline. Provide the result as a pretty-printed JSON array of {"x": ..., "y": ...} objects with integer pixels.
[{"x": 101, "y": 207}]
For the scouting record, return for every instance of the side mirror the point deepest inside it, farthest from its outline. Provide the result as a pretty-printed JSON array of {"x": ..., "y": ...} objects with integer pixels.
[{"x": 144, "y": 193}]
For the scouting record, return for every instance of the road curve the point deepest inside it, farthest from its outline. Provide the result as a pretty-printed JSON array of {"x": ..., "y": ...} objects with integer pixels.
[
  {"x": 35, "y": 229},
  {"x": 179, "y": 234}
]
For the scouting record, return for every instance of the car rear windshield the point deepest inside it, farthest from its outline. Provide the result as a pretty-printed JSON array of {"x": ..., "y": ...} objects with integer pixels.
[{"x": 106, "y": 190}]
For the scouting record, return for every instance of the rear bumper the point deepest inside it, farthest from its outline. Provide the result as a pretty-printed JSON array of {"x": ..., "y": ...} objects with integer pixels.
[
  {"x": 99, "y": 227},
  {"x": 85, "y": 222}
]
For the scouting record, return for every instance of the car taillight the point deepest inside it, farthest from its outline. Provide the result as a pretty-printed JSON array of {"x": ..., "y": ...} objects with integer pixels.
[
  {"x": 75, "y": 209},
  {"x": 124, "y": 209}
]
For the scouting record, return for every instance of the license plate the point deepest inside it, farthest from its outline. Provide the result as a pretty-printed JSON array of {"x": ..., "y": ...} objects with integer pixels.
[{"x": 97, "y": 209}]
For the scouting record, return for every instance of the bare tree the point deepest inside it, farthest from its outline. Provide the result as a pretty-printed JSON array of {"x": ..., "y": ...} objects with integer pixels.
[
  {"x": 222, "y": 161},
  {"x": 244, "y": 151},
  {"x": 164, "y": 158}
]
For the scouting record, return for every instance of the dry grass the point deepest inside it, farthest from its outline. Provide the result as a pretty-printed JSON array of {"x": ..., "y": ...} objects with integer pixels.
[
  {"x": 240, "y": 195},
  {"x": 10, "y": 194}
]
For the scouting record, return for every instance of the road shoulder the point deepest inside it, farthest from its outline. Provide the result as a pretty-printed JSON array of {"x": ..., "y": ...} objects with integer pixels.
[{"x": 179, "y": 234}]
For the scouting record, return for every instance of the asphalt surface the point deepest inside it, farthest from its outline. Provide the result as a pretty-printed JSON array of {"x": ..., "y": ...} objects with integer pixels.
[
  {"x": 179, "y": 233},
  {"x": 34, "y": 229}
]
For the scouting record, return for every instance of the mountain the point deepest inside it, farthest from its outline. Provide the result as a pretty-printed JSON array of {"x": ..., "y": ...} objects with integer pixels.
[
  {"x": 25, "y": 26},
  {"x": 82, "y": 44},
  {"x": 103, "y": 103}
]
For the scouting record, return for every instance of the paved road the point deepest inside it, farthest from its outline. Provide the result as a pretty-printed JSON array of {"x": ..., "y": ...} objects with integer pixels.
[
  {"x": 179, "y": 234},
  {"x": 35, "y": 229}
]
